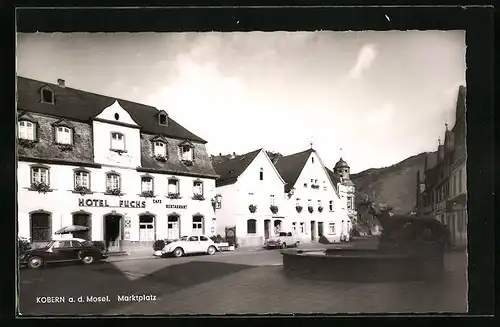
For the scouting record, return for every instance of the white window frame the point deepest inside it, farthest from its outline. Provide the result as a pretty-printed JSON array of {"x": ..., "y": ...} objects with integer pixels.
[
  {"x": 332, "y": 228},
  {"x": 112, "y": 179},
  {"x": 197, "y": 226},
  {"x": 81, "y": 178},
  {"x": 177, "y": 186},
  {"x": 144, "y": 184},
  {"x": 64, "y": 135},
  {"x": 302, "y": 227},
  {"x": 186, "y": 155},
  {"x": 330, "y": 204},
  {"x": 198, "y": 187},
  {"x": 160, "y": 148},
  {"x": 272, "y": 200},
  {"x": 349, "y": 202},
  {"x": 294, "y": 227},
  {"x": 26, "y": 130},
  {"x": 117, "y": 141},
  {"x": 297, "y": 202},
  {"x": 39, "y": 175}
]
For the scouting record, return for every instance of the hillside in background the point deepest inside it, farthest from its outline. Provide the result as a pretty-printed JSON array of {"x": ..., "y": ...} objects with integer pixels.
[{"x": 395, "y": 185}]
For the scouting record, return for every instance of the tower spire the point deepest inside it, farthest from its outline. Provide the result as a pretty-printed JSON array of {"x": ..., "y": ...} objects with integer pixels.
[{"x": 340, "y": 153}]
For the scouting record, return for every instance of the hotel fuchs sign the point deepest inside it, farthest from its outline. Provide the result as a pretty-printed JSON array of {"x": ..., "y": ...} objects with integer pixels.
[{"x": 100, "y": 203}]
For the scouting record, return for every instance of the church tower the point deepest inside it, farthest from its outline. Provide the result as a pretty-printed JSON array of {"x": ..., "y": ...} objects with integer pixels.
[{"x": 343, "y": 170}]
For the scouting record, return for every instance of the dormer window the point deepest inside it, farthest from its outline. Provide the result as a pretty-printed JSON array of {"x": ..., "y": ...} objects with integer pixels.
[
  {"x": 117, "y": 141},
  {"x": 160, "y": 148},
  {"x": 63, "y": 135},
  {"x": 162, "y": 119},
  {"x": 26, "y": 130},
  {"x": 47, "y": 95},
  {"x": 186, "y": 152}
]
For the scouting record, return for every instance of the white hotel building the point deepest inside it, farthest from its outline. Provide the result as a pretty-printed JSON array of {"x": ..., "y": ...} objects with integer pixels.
[
  {"x": 295, "y": 193},
  {"x": 126, "y": 170}
]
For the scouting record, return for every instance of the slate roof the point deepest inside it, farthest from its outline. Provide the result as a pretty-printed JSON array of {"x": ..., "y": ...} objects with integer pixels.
[
  {"x": 291, "y": 166},
  {"x": 341, "y": 164},
  {"x": 82, "y": 106},
  {"x": 231, "y": 169}
]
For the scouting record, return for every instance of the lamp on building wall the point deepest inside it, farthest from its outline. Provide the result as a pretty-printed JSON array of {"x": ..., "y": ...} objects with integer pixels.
[{"x": 218, "y": 200}]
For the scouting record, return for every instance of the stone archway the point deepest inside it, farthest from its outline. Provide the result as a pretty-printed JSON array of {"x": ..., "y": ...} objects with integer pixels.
[
  {"x": 173, "y": 226},
  {"x": 113, "y": 231},
  {"x": 83, "y": 218},
  {"x": 147, "y": 227},
  {"x": 40, "y": 227}
]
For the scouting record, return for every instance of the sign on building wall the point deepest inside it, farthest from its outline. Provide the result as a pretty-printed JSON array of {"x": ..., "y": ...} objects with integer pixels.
[
  {"x": 108, "y": 203},
  {"x": 127, "y": 226}
]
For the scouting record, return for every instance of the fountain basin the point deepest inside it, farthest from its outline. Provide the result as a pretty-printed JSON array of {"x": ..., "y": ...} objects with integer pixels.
[{"x": 364, "y": 265}]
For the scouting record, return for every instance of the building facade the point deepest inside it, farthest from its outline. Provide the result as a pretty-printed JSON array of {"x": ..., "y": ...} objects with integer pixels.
[
  {"x": 445, "y": 191},
  {"x": 127, "y": 171},
  {"x": 346, "y": 187},
  {"x": 252, "y": 192},
  {"x": 315, "y": 209}
]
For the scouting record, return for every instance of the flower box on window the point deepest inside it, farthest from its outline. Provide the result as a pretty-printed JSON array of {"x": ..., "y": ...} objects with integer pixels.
[
  {"x": 26, "y": 143},
  {"x": 274, "y": 209},
  {"x": 252, "y": 208},
  {"x": 160, "y": 158},
  {"x": 120, "y": 152},
  {"x": 82, "y": 189},
  {"x": 310, "y": 209},
  {"x": 198, "y": 197},
  {"x": 40, "y": 187},
  {"x": 113, "y": 191},
  {"x": 148, "y": 194},
  {"x": 187, "y": 162},
  {"x": 298, "y": 208},
  {"x": 173, "y": 196},
  {"x": 64, "y": 146},
  {"x": 320, "y": 209},
  {"x": 314, "y": 186}
]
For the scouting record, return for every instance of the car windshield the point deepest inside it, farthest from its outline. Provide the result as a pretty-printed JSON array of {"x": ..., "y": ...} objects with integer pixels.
[
  {"x": 87, "y": 243},
  {"x": 282, "y": 234},
  {"x": 183, "y": 238}
]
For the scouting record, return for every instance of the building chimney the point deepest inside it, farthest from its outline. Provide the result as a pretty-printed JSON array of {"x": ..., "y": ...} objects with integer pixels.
[{"x": 61, "y": 82}]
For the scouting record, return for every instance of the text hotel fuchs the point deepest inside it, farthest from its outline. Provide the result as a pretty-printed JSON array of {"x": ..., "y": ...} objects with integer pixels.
[{"x": 127, "y": 171}]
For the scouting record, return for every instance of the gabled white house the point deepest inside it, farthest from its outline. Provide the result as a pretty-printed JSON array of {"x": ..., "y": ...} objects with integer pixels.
[
  {"x": 313, "y": 205},
  {"x": 253, "y": 199}
]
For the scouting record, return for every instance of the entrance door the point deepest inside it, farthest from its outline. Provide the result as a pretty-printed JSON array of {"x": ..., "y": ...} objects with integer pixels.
[
  {"x": 173, "y": 231},
  {"x": 146, "y": 228},
  {"x": 320, "y": 229},
  {"x": 313, "y": 230},
  {"x": 113, "y": 232},
  {"x": 267, "y": 226}
]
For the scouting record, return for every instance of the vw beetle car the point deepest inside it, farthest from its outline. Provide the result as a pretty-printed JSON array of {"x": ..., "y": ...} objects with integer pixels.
[
  {"x": 282, "y": 240},
  {"x": 189, "y": 245},
  {"x": 68, "y": 250}
]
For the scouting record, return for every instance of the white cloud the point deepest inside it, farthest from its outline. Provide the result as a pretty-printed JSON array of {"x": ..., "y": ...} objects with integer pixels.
[{"x": 366, "y": 56}]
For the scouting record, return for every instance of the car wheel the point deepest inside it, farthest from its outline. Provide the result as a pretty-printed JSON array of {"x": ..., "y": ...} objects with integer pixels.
[
  {"x": 35, "y": 262},
  {"x": 283, "y": 245},
  {"x": 211, "y": 250},
  {"x": 88, "y": 259},
  {"x": 178, "y": 252}
]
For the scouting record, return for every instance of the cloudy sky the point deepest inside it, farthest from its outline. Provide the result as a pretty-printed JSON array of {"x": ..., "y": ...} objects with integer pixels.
[{"x": 380, "y": 96}]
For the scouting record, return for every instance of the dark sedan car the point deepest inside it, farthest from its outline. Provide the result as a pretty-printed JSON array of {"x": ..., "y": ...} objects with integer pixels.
[{"x": 69, "y": 250}]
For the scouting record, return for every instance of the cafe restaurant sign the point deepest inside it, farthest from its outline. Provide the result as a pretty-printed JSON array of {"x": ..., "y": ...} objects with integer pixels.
[{"x": 106, "y": 203}]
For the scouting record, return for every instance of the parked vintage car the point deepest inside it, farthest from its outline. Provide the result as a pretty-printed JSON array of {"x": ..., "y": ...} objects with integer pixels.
[
  {"x": 189, "y": 245},
  {"x": 282, "y": 240},
  {"x": 68, "y": 250}
]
